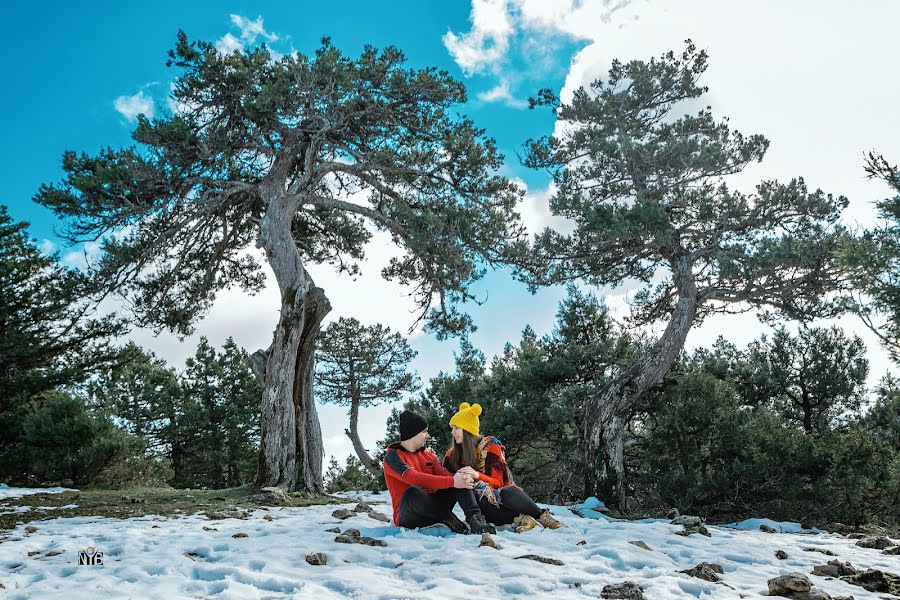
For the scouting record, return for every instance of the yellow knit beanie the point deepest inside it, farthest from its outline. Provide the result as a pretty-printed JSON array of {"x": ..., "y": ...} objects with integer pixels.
[{"x": 467, "y": 418}]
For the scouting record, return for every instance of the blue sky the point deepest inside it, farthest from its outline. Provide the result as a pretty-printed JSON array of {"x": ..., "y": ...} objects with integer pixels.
[
  {"x": 809, "y": 75},
  {"x": 75, "y": 59}
]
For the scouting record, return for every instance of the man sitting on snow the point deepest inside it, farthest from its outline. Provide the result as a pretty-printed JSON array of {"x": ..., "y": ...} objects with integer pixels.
[{"x": 422, "y": 491}]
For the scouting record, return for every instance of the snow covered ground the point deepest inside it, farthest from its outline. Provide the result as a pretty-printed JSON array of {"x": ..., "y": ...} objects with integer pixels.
[
  {"x": 8, "y": 492},
  {"x": 159, "y": 557}
]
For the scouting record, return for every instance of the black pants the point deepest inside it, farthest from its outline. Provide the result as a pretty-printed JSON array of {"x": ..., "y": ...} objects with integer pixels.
[
  {"x": 418, "y": 508},
  {"x": 514, "y": 501}
]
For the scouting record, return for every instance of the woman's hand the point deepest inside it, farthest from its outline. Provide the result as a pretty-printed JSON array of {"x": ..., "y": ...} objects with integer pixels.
[
  {"x": 462, "y": 480},
  {"x": 475, "y": 475}
]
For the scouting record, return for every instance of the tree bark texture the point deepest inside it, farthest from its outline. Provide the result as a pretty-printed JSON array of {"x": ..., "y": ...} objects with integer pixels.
[
  {"x": 353, "y": 434},
  {"x": 291, "y": 450},
  {"x": 608, "y": 411}
]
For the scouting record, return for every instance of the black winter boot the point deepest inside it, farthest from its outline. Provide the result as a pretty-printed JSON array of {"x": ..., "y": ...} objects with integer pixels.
[
  {"x": 455, "y": 525},
  {"x": 478, "y": 525}
]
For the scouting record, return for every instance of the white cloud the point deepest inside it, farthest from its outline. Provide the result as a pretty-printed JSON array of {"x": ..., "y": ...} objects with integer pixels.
[
  {"x": 488, "y": 41},
  {"x": 535, "y": 211},
  {"x": 132, "y": 106},
  {"x": 47, "y": 247},
  {"x": 501, "y": 93},
  {"x": 228, "y": 44},
  {"x": 498, "y": 24},
  {"x": 83, "y": 256},
  {"x": 249, "y": 32}
]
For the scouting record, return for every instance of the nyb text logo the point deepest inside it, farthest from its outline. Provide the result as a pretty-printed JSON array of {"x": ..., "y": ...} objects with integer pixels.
[{"x": 90, "y": 557}]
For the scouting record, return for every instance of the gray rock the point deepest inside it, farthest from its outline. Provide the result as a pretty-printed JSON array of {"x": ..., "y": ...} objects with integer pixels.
[
  {"x": 343, "y": 513},
  {"x": 873, "y": 580},
  {"x": 379, "y": 516},
  {"x": 766, "y": 529},
  {"x": 781, "y": 555},
  {"x": 822, "y": 550},
  {"x": 317, "y": 559},
  {"x": 352, "y": 536},
  {"x": 813, "y": 594},
  {"x": 333, "y": 530},
  {"x": 362, "y": 507},
  {"x": 834, "y": 568},
  {"x": 270, "y": 496},
  {"x": 230, "y": 512},
  {"x": 240, "y": 534},
  {"x": 687, "y": 521},
  {"x": 792, "y": 582},
  {"x": 893, "y": 550},
  {"x": 826, "y": 571},
  {"x": 542, "y": 559},
  {"x": 878, "y": 543},
  {"x": 706, "y": 571},
  {"x": 487, "y": 540},
  {"x": 837, "y": 527},
  {"x": 370, "y": 541},
  {"x": 640, "y": 544},
  {"x": 627, "y": 590},
  {"x": 690, "y": 529}
]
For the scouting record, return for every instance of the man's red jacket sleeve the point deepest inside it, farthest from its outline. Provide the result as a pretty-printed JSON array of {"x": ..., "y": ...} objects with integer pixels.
[{"x": 429, "y": 476}]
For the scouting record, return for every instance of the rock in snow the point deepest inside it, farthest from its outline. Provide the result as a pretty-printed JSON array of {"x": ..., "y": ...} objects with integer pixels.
[
  {"x": 706, "y": 571},
  {"x": 627, "y": 590}
]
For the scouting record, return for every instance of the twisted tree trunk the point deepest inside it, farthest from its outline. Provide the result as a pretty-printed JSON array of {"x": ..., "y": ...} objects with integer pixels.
[
  {"x": 353, "y": 434},
  {"x": 608, "y": 411},
  {"x": 291, "y": 451}
]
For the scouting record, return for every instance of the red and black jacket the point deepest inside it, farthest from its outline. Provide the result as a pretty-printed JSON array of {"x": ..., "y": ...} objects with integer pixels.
[{"x": 420, "y": 468}]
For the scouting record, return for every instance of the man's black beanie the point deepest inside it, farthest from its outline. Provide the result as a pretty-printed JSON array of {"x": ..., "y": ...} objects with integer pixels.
[{"x": 411, "y": 425}]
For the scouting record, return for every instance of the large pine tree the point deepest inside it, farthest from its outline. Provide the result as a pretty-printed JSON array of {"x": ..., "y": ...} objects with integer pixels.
[
  {"x": 301, "y": 156},
  {"x": 644, "y": 184}
]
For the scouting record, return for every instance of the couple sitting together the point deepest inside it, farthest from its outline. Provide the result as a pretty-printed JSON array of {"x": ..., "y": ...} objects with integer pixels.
[{"x": 474, "y": 474}]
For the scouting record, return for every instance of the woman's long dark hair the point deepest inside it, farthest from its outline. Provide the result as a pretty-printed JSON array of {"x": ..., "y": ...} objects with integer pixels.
[{"x": 465, "y": 454}]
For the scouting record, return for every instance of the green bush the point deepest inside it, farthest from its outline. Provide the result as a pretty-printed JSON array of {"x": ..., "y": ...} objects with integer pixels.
[
  {"x": 858, "y": 480},
  {"x": 134, "y": 467},
  {"x": 63, "y": 441},
  {"x": 353, "y": 476},
  {"x": 707, "y": 453}
]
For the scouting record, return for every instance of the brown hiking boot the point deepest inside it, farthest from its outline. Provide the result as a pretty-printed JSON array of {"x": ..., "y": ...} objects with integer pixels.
[
  {"x": 524, "y": 523},
  {"x": 549, "y": 521}
]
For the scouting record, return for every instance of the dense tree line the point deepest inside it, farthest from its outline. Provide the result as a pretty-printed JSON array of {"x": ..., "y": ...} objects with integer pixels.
[
  {"x": 76, "y": 408},
  {"x": 782, "y": 428}
]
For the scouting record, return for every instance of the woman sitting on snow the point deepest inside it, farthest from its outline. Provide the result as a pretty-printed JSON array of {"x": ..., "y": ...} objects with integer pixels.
[{"x": 483, "y": 458}]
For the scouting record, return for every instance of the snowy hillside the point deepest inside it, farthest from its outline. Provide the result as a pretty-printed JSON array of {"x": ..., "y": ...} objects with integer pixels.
[{"x": 194, "y": 557}]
